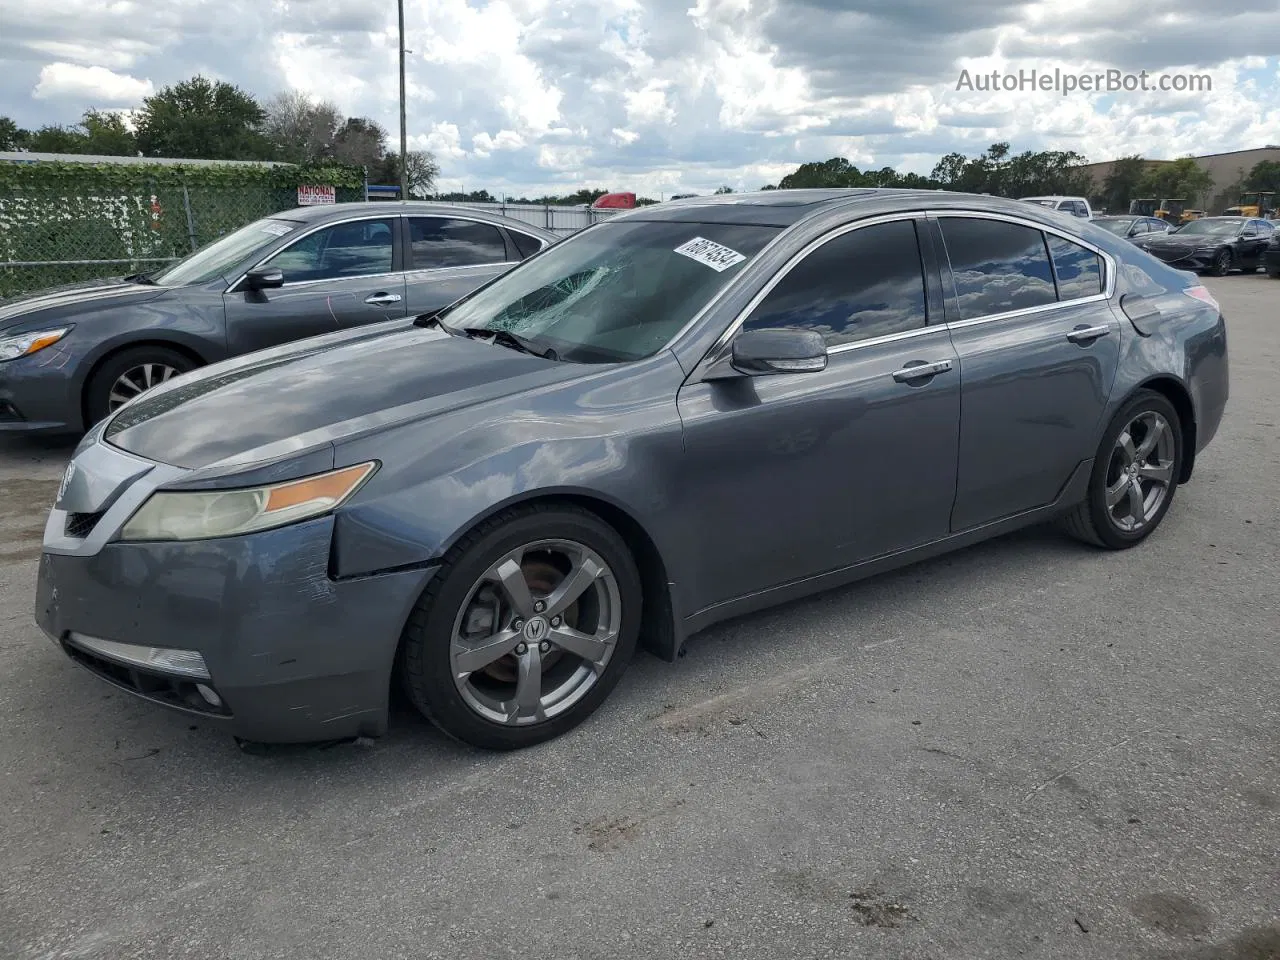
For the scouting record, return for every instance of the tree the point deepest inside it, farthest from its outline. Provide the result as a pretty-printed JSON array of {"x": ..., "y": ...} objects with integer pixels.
[
  {"x": 107, "y": 135},
  {"x": 12, "y": 136},
  {"x": 55, "y": 138},
  {"x": 723, "y": 190},
  {"x": 363, "y": 143},
  {"x": 1123, "y": 183},
  {"x": 202, "y": 119},
  {"x": 1265, "y": 175},
  {"x": 1182, "y": 178},
  {"x": 299, "y": 129},
  {"x": 421, "y": 172}
]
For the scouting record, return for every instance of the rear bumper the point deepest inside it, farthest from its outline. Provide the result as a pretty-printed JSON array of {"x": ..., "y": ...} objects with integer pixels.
[{"x": 292, "y": 655}]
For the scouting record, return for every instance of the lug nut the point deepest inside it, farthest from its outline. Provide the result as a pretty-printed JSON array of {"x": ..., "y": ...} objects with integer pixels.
[
  {"x": 555, "y": 621},
  {"x": 517, "y": 624},
  {"x": 544, "y": 646},
  {"x": 539, "y": 606},
  {"x": 522, "y": 649}
]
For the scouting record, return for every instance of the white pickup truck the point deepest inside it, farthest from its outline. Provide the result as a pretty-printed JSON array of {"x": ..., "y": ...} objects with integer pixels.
[{"x": 1075, "y": 206}]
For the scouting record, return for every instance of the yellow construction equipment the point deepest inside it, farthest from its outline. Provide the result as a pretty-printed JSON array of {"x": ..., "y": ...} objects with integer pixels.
[
  {"x": 1259, "y": 204},
  {"x": 1171, "y": 209}
]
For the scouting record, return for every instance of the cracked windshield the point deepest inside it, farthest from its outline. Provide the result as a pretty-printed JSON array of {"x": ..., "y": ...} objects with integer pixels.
[{"x": 618, "y": 292}]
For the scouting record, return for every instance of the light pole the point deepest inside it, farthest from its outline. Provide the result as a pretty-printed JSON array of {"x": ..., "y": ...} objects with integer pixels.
[{"x": 404, "y": 136}]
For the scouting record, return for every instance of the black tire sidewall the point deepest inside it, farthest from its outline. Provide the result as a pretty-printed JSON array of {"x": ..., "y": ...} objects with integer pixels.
[
  {"x": 98, "y": 390},
  {"x": 1143, "y": 401},
  {"x": 433, "y": 689},
  {"x": 1222, "y": 263}
]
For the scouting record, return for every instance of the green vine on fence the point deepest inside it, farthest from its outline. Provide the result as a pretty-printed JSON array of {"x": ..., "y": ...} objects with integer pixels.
[{"x": 100, "y": 176}]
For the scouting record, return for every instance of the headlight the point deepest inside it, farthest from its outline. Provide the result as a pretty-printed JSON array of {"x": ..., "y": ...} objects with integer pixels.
[
  {"x": 201, "y": 515},
  {"x": 22, "y": 344}
]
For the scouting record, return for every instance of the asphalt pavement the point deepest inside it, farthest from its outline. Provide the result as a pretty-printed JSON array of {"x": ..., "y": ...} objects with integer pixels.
[{"x": 1026, "y": 749}]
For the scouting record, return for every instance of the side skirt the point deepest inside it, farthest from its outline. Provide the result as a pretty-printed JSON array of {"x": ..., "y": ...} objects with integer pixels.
[{"x": 1071, "y": 494}]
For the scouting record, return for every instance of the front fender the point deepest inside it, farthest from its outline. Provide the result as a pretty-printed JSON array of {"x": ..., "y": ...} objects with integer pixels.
[{"x": 612, "y": 437}]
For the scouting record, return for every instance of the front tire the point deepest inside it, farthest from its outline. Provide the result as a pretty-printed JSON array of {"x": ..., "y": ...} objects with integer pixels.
[
  {"x": 527, "y": 627},
  {"x": 128, "y": 374},
  {"x": 1222, "y": 263},
  {"x": 1135, "y": 475}
]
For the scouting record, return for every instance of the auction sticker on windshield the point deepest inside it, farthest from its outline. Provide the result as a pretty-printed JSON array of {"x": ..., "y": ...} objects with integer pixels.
[{"x": 715, "y": 255}]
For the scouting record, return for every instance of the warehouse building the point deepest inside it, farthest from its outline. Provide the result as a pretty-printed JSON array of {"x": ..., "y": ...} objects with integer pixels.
[{"x": 1227, "y": 169}]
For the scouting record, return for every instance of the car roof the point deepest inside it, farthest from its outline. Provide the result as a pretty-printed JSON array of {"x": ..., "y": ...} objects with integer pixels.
[
  {"x": 783, "y": 208},
  {"x": 323, "y": 213}
]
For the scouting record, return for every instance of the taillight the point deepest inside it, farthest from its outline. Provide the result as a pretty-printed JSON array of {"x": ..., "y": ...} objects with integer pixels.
[{"x": 1201, "y": 293}]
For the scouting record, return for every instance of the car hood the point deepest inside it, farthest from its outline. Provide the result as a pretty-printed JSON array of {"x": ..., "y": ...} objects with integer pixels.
[
  {"x": 269, "y": 405},
  {"x": 66, "y": 302}
]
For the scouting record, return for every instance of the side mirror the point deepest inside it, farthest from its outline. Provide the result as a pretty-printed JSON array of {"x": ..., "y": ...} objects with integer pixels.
[
  {"x": 268, "y": 278},
  {"x": 779, "y": 350}
]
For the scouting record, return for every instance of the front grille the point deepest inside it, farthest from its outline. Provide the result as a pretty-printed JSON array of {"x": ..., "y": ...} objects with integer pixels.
[
  {"x": 80, "y": 525},
  {"x": 160, "y": 687}
]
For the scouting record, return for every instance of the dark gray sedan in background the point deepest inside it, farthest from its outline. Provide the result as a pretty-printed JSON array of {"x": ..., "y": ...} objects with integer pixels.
[
  {"x": 688, "y": 412},
  {"x": 70, "y": 357}
]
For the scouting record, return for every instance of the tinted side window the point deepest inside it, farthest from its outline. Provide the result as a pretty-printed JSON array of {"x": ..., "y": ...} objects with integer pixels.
[
  {"x": 440, "y": 242},
  {"x": 998, "y": 266},
  {"x": 866, "y": 283},
  {"x": 355, "y": 249},
  {"x": 1139, "y": 227},
  {"x": 526, "y": 245},
  {"x": 1079, "y": 270}
]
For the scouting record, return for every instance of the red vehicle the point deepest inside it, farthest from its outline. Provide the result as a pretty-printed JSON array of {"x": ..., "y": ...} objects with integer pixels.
[{"x": 615, "y": 201}]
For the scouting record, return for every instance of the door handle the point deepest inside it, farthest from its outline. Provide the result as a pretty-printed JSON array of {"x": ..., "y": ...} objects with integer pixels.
[
  {"x": 1088, "y": 334},
  {"x": 383, "y": 299},
  {"x": 920, "y": 371}
]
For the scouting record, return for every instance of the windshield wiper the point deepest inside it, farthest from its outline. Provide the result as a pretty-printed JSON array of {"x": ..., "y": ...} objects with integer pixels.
[
  {"x": 144, "y": 278},
  {"x": 513, "y": 340}
]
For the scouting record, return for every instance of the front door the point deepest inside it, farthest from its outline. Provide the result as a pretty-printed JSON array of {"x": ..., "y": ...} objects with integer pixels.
[
  {"x": 813, "y": 472},
  {"x": 448, "y": 257},
  {"x": 345, "y": 275},
  {"x": 1038, "y": 348}
]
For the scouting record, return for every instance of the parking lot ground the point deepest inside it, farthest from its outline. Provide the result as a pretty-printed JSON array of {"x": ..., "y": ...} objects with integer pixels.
[{"x": 1026, "y": 749}]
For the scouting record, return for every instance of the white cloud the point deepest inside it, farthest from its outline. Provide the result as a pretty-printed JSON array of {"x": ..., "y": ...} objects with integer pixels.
[
  {"x": 531, "y": 96},
  {"x": 92, "y": 85}
]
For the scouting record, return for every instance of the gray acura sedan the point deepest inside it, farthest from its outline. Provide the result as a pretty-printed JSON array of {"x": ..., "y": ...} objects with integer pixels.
[
  {"x": 71, "y": 356},
  {"x": 689, "y": 412}
]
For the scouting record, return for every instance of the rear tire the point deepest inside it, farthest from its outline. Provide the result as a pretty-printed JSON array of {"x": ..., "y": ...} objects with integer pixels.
[
  {"x": 130, "y": 373},
  {"x": 1135, "y": 475},
  {"x": 470, "y": 658}
]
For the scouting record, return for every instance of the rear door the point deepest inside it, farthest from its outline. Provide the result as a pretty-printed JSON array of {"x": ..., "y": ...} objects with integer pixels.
[
  {"x": 818, "y": 471},
  {"x": 1038, "y": 347},
  {"x": 342, "y": 275},
  {"x": 449, "y": 257}
]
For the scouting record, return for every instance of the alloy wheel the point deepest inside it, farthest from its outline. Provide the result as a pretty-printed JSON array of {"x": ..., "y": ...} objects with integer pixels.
[
  {"x": 536, "y": 631},
  {"x": 1140, "y": 473},
  {"x": 138, "y": 380},
  {"x": 1222, "y": 263}
]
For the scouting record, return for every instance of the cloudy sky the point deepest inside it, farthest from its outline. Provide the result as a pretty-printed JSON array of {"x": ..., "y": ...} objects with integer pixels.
[{"x": 663, "y": 96}]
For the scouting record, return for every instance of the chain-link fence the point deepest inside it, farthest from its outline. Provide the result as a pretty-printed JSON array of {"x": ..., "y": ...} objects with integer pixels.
[{"x": 54, "y": 235}]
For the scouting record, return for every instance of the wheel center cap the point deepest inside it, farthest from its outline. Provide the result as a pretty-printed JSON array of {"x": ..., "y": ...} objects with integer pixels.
[{"x": 536, "y": 629}]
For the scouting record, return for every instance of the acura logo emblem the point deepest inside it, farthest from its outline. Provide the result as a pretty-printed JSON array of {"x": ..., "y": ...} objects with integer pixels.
[{"x": 536, "y": 629}]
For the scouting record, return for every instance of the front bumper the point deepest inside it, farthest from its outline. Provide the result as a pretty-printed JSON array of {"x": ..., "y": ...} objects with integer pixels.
[
  {"x": 39, "y": 395},
  {"x": 293, "y": 654},
  {"x": 1186, "y": 260}
]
